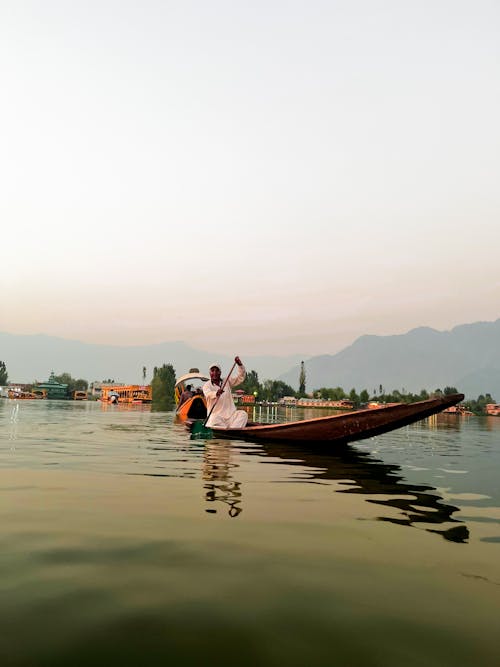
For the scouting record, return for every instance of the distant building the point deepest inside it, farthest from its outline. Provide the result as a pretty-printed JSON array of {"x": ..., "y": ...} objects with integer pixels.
[
  {"x": 52, "y": 388},
  {"x": 97, "y": 387},
  {"x": 243, "y": 399},
  {"x": 288, "y": 400}
]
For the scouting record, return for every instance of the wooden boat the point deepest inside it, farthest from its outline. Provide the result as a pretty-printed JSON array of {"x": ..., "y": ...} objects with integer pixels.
[
  {"x": 196, "y": 406},
  {"x": 343, "y": 428}
]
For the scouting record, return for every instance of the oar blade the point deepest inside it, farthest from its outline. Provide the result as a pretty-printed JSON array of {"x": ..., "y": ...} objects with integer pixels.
[{"x": 200, "y": 432}]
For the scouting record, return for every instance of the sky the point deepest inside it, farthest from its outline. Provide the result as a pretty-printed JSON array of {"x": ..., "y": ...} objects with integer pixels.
[{"x": 248, "y": 177}]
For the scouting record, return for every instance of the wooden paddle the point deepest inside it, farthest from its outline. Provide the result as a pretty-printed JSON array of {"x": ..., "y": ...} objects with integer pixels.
[{"x": 201, "y": 428}]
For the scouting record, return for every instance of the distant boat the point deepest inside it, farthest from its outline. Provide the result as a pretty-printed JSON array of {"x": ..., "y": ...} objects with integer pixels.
[
  {"x": 343, "y": 428},
  {"x": 20, "y": 395},
  {"x": 79, "y": 395},
  {"x": 131, "y": 393},
  {"x": 458, "y": 410}
]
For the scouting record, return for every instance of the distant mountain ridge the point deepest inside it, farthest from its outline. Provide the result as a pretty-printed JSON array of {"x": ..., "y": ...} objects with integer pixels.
[
  {"x": 33, "y": 357},
  {"x": 466, "y": 357}
]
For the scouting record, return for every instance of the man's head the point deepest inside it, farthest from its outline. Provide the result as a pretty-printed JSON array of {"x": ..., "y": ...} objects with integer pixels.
[{"x": 215, "y": 371}]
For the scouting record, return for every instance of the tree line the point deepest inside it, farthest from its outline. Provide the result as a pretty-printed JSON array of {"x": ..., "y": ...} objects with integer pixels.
[
  {"x": 274, "y": 390},
  {"x": 163, "y": 387}
]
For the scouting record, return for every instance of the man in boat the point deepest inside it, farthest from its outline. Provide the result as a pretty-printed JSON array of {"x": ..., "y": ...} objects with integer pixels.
[{"x": 224, "y": 413}]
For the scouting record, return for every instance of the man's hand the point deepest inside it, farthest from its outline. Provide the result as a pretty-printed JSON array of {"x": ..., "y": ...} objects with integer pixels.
[
  {"x": 238, "y": 361},
  {"x": 219, "y": 391}
]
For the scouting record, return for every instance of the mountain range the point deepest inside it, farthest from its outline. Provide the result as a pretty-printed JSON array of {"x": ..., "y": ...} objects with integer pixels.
[
  {"x": 466, "y": 357},
  {"x": 33, "y": 357}
]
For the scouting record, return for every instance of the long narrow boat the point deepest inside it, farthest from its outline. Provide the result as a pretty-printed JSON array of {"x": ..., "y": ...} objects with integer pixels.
[{"x": 343, "y": 428}]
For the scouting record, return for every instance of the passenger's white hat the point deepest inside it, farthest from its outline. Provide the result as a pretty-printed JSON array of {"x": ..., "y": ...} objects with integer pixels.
[{"x": 215, "y": 365}]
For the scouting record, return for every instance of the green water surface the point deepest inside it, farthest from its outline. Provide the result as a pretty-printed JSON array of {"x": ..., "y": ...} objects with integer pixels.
[{"x": 126, "y": 543}]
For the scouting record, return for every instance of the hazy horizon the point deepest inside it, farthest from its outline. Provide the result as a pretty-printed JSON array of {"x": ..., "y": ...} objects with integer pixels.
[
  {"x": 229, "y": 351},
  {"x": 264, "y": 178}
]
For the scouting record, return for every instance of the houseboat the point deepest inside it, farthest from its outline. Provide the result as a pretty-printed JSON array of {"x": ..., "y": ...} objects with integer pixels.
[
  {"x": 343, "y": 404},
  {"x": 51, "y": 389},
  {"x": 459, "y": 410},
  {"x": 79, "y": 395},
  {"x": 39, "y": 393},
  {"x": 132, "y": 393},
  {"x": 19, "y": 394}
]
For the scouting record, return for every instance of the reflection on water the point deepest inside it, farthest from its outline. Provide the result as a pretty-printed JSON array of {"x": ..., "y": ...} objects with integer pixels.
[
  {"x": 219, "y": 483},
  {"x": 384, "y": 485},
  {"x": 437, "y": 460},
  {"x": 118, "y": 548}
]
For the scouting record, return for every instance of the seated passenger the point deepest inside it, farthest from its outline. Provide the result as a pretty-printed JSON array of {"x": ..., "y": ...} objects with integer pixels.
[{"x": 186, "y": 395}]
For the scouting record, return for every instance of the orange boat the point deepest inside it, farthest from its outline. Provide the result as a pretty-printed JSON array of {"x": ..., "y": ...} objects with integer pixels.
[
  {"x": 40, "y": 393},
  {"x": 132, "y": 393},
  {"x": 459, "y": 410},
  {"x": 21, "y": 395},
  {"x": 194, "y": 407},
  {"x": 79, "y": 395}
]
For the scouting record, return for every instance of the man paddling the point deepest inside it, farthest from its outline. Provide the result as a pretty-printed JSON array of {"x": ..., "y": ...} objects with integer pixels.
[{"x": 220, "y": 403}]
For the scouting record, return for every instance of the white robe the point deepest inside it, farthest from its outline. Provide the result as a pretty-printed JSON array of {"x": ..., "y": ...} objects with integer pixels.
[{"x": 225, "y": 414}]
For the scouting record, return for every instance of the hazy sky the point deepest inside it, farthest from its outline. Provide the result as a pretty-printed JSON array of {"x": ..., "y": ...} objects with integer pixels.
[{"x": 250, "y": 177}]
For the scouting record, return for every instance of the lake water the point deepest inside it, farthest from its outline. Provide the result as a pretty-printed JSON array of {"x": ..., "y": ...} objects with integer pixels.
[{"x": 126, "y": 543}]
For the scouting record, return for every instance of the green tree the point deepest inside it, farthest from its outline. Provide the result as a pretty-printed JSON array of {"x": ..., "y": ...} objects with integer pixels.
[
  {"x": 4, "y": 376},
  {"x": 327, "y": 393},
  {"x": 450, "y": 390},
  {"x": 354, "y": 397},
  {"x": 478, "y": 406},
  {"x": 162, "y": 388},
  {"x": 273, "y": 390},
  {"x": 73, "y": 384},
  {"x": 144, "y": 375},
  {"x": 251, "y": 384},
  {"x": 364, "y": 396},
  {"x": 302, "y": 380}
]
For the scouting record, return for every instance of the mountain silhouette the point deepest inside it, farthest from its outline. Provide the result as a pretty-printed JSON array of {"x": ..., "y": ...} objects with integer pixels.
[
  {"x": 467, "y": 357},
  {"x": 33, "y": 357}
]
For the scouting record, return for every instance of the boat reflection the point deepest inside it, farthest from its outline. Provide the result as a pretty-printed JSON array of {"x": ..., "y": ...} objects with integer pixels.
[
  {"x": 363, "y": 474},
  {"x": 220, "y": 487}
]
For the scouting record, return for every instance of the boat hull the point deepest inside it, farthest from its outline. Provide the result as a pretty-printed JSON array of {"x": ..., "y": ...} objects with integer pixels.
[
  {"x": 194, "y": 408},
  {"x": 344, "y": 428}
]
